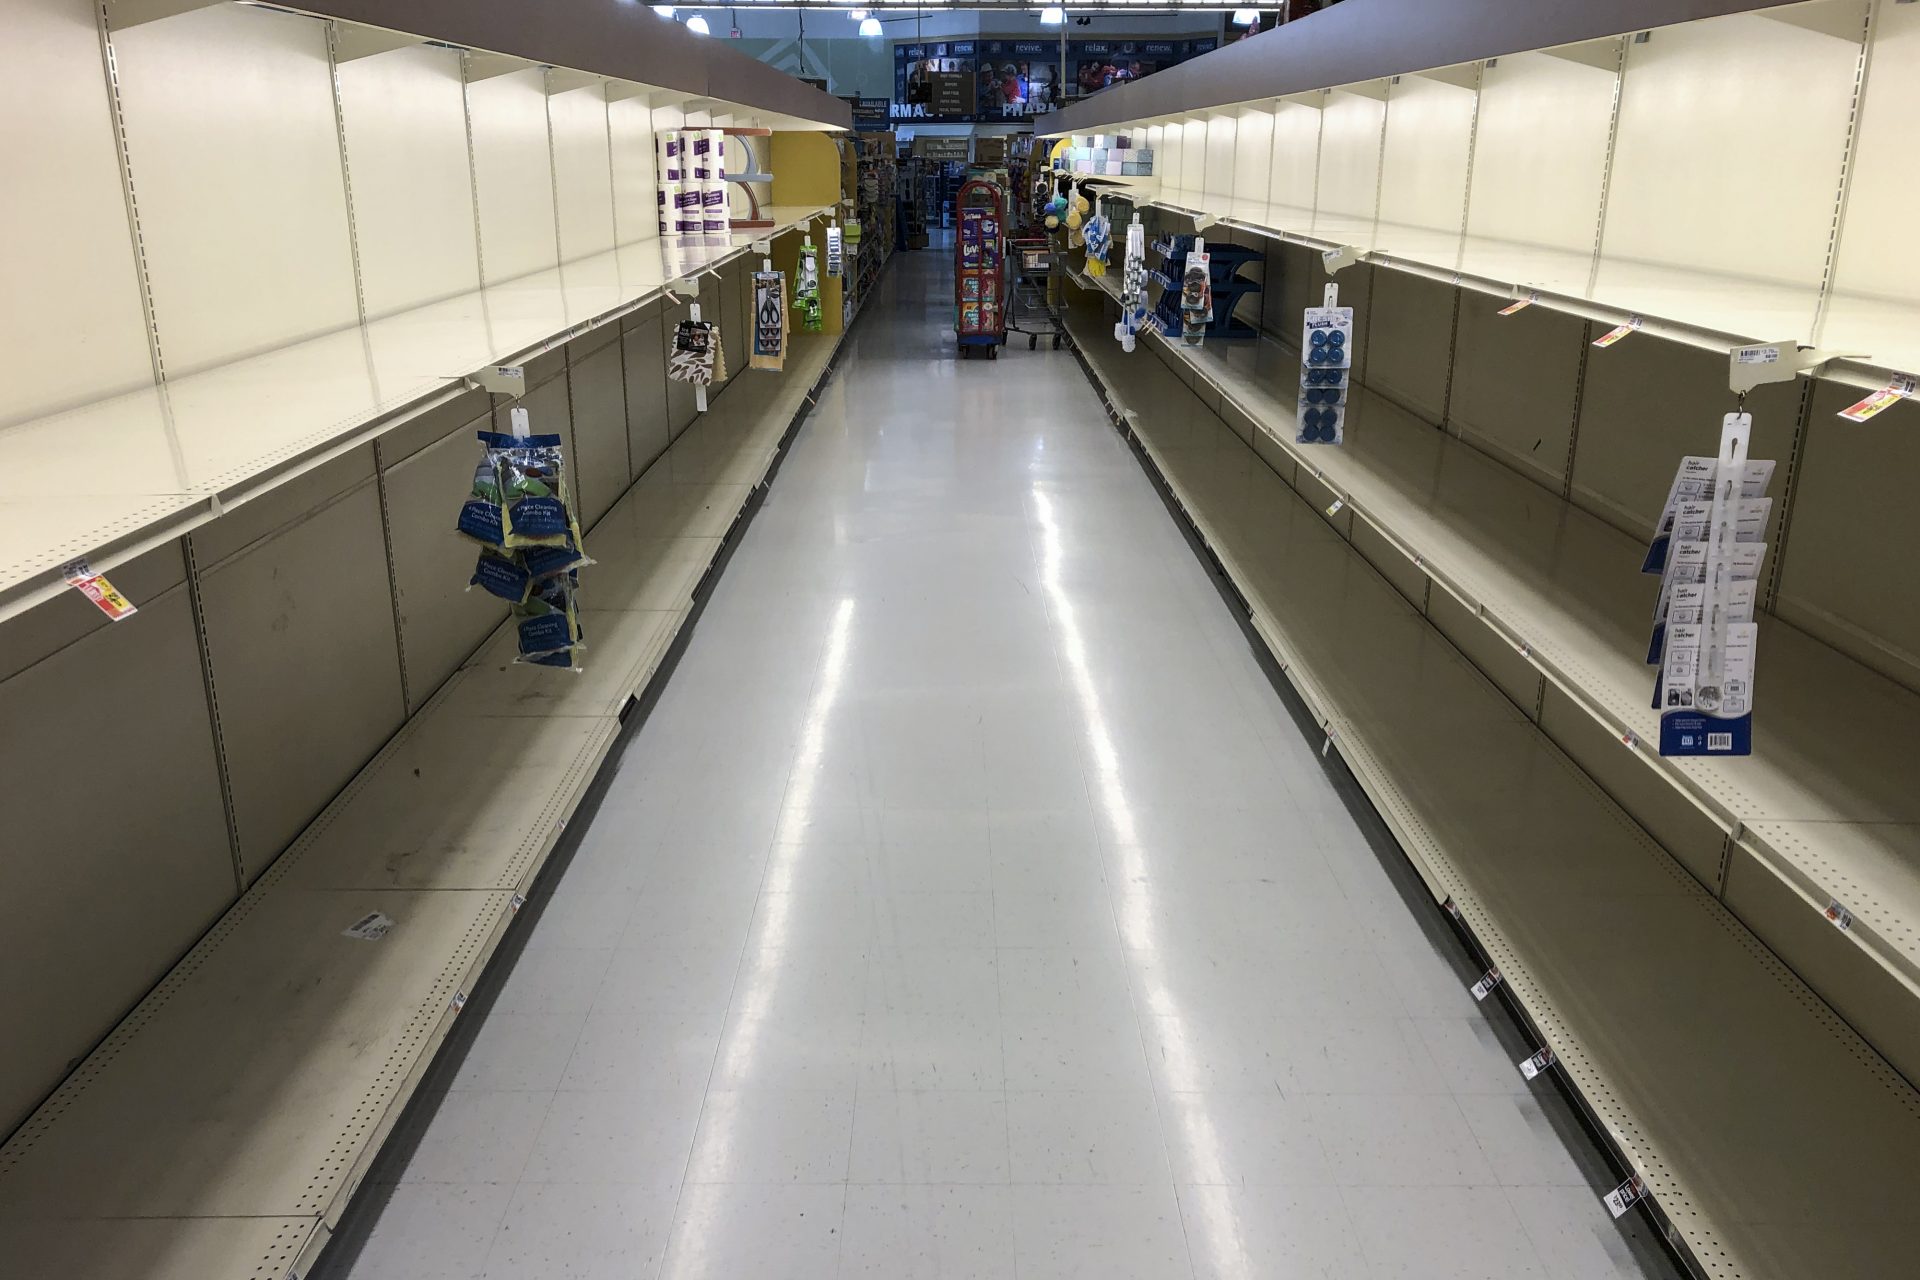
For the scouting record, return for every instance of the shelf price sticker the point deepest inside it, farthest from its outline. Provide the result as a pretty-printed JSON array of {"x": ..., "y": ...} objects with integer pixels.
[
  {"x": 1338, "y": 503},
  {"x": 1488, "y": 981},
  {"x": 1618, "y": 332},
  {"x": 1904, "y": 387},
  {"x": 515, "y": 903},
  {"x": 1626, "y": 1195},
  {"x": 369, "y": 928},
  {"x": 81, "y": 577},
  {"x": 1838, "y": 916},
  {"x": 1757, "y": 355},
  {"x": 1521, "y": 304},
  {"x": 1531, "y": 1067}
]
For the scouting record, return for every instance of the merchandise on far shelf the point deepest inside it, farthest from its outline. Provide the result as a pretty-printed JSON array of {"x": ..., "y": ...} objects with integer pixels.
[{"x": 1326, "y": 367}]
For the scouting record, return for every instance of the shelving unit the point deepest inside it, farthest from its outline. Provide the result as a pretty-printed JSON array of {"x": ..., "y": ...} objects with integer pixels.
[
  {"x": 150, "y": 465},
  {"x": 1772, "y": 1140},
  {"x": 1548, "y": 599},
  {"x": 249, "y": 377},
  {"x": 223, "y": 1127},
  {"x": 1568, "y": 157}
]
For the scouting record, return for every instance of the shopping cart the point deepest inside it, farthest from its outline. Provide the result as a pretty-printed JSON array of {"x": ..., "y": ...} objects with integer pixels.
[{"x": 1033, "y": 309}]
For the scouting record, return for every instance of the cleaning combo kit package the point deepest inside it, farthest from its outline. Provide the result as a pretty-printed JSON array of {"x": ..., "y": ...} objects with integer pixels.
[
  {"x": 1326, "y": 369},
  {"x": 521, "y": 513}
]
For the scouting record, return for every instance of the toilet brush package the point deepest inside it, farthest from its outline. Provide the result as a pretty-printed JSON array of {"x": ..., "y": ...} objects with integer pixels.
[
  {"x": 1196, "y": 294},
  {"x": 769, "y": 321},
  {"x": 806, "y": 289},
  {"x": 1326, "y": 367}
]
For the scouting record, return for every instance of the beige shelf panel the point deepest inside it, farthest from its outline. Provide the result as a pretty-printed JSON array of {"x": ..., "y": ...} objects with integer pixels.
[
  {"x": 222, "y": 1127},
  {"x": 1774, "y": 1140},
  {"x": 142, "y": 468},
  {"x": 1542, "y": 573}
]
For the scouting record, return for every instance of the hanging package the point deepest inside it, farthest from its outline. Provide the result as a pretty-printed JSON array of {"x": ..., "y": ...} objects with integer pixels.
[
  {"x": 1133, "y": 286},
  {"x": 696, "y": 354},
  {"x": 1326, "y": 365},
  {"x": 1099, "y": 237},
  {"x": 520, "y": 511},
  {"x": 769, "y": 321},
  {"x": 836, "y": 258},
  {"x": 806, "y": 289},
  {"x": 1196, "y": 295}
]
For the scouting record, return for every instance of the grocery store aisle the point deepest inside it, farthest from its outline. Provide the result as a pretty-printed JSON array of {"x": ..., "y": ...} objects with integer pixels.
[{"x": 970, "y": 905}]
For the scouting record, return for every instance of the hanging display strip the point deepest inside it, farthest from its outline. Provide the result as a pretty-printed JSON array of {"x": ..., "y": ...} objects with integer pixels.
[
  {"x": 806, "y": 289},
  {"x": 519, "y": 509},
  {"x": 1709, "y": 549},
  {"x": 1326, "y": 371},
  {"x": 836, "y": 256},
  {"x": 769, "y": 321},
  {"x": 1196, "y": 294},
  {"x": 1133, "y": 286}
]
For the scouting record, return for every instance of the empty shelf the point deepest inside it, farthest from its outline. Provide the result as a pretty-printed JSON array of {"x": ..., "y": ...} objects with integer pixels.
[
  {"x": 222, "y": 1127},
  {"x": 142, "y": 468},
  {"x": 1771, "y": 1138},
  {"x": 1562, "y": 588}
]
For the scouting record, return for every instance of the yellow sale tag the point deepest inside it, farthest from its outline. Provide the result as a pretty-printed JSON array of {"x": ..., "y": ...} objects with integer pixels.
[
  {"x": 1521, "y": 305},
  {"x": 1616, "y": 333},
  {"x": 1894, "y": 392},
  {"x": 80, "y": 575}
]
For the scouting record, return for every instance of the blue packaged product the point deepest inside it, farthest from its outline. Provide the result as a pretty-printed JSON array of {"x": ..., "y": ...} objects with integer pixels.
[{"x": 501, "y": 576}]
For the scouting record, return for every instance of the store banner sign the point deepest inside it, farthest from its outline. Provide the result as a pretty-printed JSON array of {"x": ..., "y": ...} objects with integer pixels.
[{"x": 1017, "y": 79}]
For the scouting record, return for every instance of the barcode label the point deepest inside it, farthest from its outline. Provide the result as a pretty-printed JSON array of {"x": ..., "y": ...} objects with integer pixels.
[
  {"x": 1486, "y": 984},
  {"x": 1837, "y": 915},
  {"x": 1625, "y": 1196},
  {"x": 1531, "y": 1067},
  {"x": 1719, "y": 742}
]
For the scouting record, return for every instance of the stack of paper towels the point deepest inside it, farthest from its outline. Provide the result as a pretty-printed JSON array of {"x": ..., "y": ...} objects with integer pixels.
[{"x": 693, "y": 184}]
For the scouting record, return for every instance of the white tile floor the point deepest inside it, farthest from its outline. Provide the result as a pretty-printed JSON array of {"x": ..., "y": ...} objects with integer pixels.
[{"x": 971, "y": 906}]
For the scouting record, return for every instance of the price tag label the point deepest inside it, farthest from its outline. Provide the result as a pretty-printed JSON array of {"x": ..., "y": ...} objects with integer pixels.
[
  {"x": 1625, "y": 1196},
  {"x": 81, "y": 577},
  {"x": 1618, "y": 332},
  {"x": 1838, "y": 916},
  {"x": 1757, "y": 355},
  {"x": 515, "y": 903},
  {"x": 1451, "y": 908},
  {"x": 1488, "y": 981},
  {"x": 1338, "y": 503},
  {"x": 1521, "y": 304},
  {"x": 1531, "y": 1067},
  {"x": 368, "y": 928},
  {"x": 459, "y": 1001},
  {"x": 1901, "y": 388},
  {"x": 1327, "y": 745}
]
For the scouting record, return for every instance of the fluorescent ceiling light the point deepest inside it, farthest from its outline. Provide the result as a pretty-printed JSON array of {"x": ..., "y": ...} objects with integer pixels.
[
  {"x": 1052, "y": 16},
  {"x": 664, "y": 10},
  {"x": 869, "y": 26},
  {"x": 1245, "y": 17},
  {"x": 858, "y": 15},
  {"x": 698, "y": 25}
]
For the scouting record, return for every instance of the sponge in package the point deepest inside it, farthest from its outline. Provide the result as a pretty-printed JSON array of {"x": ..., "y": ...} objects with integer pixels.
[
  {"x": 533, "y": 497},
  {"x": 547, "y": 623}
]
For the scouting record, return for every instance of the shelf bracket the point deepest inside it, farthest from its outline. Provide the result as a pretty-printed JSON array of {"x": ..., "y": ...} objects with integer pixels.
[
  {"x": 480, "y": 66},
  {"x": 1842, "y": 19},
  {"x": 352, "y": 42},
  {"x": 122, "y": 14},
  {"x": 1601, "y": 55},
  {"x": 501, "y": 380},
  {"x": 1464, "y": 75},
  {"x": 1757, "y": 365},
  {"x": 564, "y": 80},
  {"x": 1375, "y": 89},
  {"x": 1314, "y": 98}
]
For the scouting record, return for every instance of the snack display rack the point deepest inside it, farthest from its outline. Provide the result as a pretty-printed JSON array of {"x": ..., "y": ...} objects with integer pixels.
[{"x": 979, "y": 268}]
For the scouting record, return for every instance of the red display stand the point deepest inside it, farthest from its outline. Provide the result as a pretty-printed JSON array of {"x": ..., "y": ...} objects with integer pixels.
[{"x": 979, "y": 268}]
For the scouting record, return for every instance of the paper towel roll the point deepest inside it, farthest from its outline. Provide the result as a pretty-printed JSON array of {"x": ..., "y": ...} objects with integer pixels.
[
  {"x": 687, "y": 211},
  {"x": 672, "y": 159},
  {"x": 717, "y": 153},
  {"x": 702, "y": 157},
  {"x": 713, "y": 207}
]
